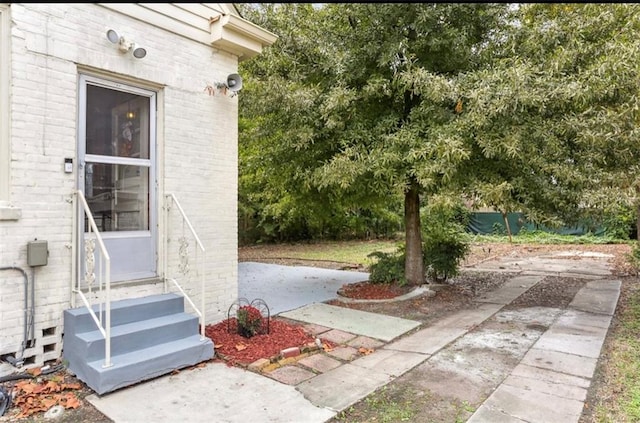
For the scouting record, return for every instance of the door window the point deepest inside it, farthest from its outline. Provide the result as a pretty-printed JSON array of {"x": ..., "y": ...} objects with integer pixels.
[{"x": 117, "y": 164}]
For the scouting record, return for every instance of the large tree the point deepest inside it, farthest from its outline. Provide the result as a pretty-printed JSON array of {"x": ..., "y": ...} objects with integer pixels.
[
  {"x": 525, "y": 108},
  {"x": 366, "y": 98},
  {"x": 552, "y": 121},
  {"x": 290, "y": 125}
]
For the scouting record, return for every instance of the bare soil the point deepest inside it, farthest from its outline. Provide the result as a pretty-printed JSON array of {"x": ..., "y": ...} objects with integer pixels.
[
  {"x": 398, "y": 398},
  {"x": 456, "y": 294}
]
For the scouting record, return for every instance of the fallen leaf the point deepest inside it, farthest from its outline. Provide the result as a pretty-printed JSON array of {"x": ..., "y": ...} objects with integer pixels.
[
  {"x": 326, "y": 348},
  {"x": 36, "y": 371},
  {"x": 241, "y": 347},
  {"x": 28, "y": 388},
  {"x": 365, "y": 351},
  {"x": 48, "y": 402},
  {"x": 71, "y": 401}
]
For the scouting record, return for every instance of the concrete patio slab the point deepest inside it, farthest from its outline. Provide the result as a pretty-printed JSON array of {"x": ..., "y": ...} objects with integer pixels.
[
  {"x": 579, "y": 319},
  {"x": 530, "y": 406},
  {"x": 561, "y": 362},
  {"x": 598, "y": 297},
  {"x": 547, "y": 387},
  {"x": 435, "y": 337},
  {"x": 392, "y": 363},
  {"x": 213, "y": 393},
  {"x": 286, "y": 288},
  {"x": 511, "y": 290},
  {"x": 378, "y": 326},
  {"x": 562, "y": 340},
  {"x": 341, "y": 387}
]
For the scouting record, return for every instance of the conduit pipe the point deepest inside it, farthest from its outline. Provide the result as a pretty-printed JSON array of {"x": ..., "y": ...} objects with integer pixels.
[{"x": 26, "y": 308}]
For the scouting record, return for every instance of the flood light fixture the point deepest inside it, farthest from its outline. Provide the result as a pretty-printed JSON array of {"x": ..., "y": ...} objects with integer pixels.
[{"x": 125, "y": 45}]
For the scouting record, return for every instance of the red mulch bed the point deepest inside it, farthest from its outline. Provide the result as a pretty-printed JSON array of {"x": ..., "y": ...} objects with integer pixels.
[
  {"x": 235, "y": 349},
  {"x": 373, "y": 291}
]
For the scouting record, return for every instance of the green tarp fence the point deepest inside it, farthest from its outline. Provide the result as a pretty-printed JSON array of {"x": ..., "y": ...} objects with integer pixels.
[{"x": 487, "y": 223}]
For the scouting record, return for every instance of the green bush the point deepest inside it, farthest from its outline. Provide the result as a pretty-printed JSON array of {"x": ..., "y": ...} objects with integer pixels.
[
  {"x": 619, "y": 221},
  {"x": 443, "y": 250},
  {"x": 387, "y": 267},
  {"x": 634, "y": 256},
  {"x": 445, "y": 243}
]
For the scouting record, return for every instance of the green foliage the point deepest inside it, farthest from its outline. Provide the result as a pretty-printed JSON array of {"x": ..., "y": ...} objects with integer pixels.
[
  {"x": 445, "y": 242},
  {"x": 529, "y": 109},
  {"x": 619, "y": 221},
  {"x": 387, "y": 267},
  {"x": 554, "y": 115},
  {"x": 634, "y": 257},
  {"x": 498, "y": 229},
  {"x": 544, "y": 237},
  {"x": 250, "y": 321},
  {"x": 621, "y": 400}
]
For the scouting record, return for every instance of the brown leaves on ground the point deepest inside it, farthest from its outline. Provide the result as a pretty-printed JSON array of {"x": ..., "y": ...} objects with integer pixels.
[
  {"x": 36, "y": 396},
  {"x": 365, "y": 351}
]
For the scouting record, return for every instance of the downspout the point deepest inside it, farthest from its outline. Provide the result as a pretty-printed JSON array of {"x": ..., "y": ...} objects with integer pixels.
[{"x": 13, "y": 360}]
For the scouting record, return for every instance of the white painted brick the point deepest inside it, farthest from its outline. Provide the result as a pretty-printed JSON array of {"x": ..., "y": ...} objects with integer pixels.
[{"x": 48, "y": 41}]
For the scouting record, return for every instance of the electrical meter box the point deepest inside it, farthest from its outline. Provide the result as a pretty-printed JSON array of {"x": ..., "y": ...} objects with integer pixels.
[{"x": 37, "y": 253}]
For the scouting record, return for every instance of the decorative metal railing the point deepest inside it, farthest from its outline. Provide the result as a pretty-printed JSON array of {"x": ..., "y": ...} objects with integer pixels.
[
  {"x": 183, "y": 251},
  {"x": 97, "y": 271}
]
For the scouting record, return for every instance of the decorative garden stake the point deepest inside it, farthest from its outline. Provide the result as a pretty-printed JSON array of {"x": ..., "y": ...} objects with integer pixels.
[{"x": 248, "y": 319}]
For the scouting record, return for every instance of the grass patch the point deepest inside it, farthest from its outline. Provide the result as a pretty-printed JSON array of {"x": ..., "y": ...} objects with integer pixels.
[
  {"x": 541, "y": 237},
  {"x": 355, "y": 252},
  {"x": 379, "y": 407},
  {"x": 621, "y": 399},
  {"x": 348, "y": 252}
]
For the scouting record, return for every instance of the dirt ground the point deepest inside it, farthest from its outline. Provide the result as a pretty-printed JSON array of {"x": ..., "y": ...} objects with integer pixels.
[
  {"x": 451, "y": 297},
  {"x": 392, "y": 401}
]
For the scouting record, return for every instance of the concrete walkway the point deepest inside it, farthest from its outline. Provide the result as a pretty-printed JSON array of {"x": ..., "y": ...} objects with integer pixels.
[
  {"x": 550, "y": 384},
  {"x": 514, "y": 366}
]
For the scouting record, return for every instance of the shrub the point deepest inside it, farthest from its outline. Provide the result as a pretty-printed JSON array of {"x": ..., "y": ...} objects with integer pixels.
[
  {"x": 634, "y": 257},
  {"x": 388, "y": 267},
  {"x": 619, "y": 221},
  {"x": 445, "y": 242},
  {"x": 250, "y": 321}
]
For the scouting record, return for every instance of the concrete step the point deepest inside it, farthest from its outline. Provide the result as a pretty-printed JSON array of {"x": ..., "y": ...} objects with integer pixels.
[
  {"x": 146, "y": 363},
  {"x": 150, "y": 336},
  {"x": 77, "y": 320},
  {"x": 136, "y": 335}
]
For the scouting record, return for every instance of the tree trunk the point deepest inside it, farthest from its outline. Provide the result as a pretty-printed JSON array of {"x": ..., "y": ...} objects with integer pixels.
[
  {"x": 507, "y": 226},
  {"x": 414, "y": 264}
]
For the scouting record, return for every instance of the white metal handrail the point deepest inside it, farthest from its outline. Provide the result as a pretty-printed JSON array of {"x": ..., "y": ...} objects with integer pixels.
[
  {"x": 185, "y": 220},
  {"x": 104, "y": 271}
]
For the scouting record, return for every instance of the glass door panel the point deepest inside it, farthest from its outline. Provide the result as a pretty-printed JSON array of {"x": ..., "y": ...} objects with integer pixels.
[{"x": 117, "y": 151}]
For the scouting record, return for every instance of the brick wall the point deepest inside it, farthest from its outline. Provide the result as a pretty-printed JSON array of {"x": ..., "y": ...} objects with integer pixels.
[{"x": 197, "y": 154}]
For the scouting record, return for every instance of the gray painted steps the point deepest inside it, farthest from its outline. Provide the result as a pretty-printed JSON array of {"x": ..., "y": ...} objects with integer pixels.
[{"x": 150, "y": 336}]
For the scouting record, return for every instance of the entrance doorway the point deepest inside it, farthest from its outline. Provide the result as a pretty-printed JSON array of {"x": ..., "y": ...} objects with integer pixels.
[{"x": 117, "y": 173}]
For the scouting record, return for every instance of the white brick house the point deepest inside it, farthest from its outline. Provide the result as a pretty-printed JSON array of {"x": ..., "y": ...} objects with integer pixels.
[{"x": 80, "y": 113}]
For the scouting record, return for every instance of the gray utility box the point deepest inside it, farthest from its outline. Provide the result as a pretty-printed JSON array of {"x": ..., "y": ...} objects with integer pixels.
[{"x": 37, "y": 253}]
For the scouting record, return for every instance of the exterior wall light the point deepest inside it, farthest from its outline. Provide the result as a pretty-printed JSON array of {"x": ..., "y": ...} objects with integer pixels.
[{"x": 125, "y": 45}]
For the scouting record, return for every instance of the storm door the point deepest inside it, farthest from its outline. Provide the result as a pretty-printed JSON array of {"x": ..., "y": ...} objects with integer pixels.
[{"x": 117, "y": 173}]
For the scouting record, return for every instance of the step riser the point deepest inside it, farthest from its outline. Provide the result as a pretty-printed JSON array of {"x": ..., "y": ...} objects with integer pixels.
[
  {"x": 106, "y": 380},
  {"x": 79, "y": 319},
  {"x": 121, "y": 344}
]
